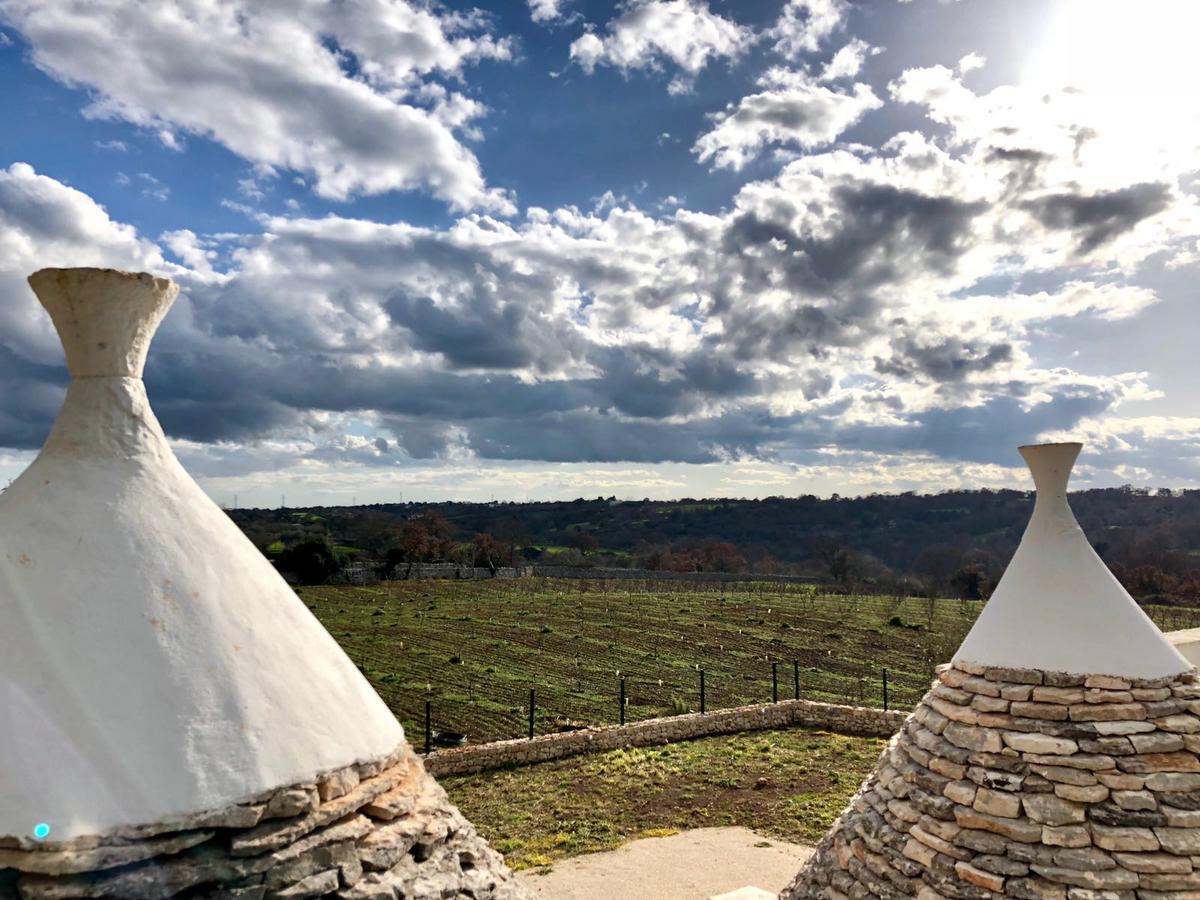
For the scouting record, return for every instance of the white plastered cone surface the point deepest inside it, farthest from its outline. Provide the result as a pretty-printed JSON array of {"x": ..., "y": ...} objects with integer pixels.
[
  {"x": 1058, "y": 608},
  {"x": 152, "y": 663}
]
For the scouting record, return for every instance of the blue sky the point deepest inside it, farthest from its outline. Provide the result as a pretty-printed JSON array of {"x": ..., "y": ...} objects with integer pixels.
[{"x": 645, "y": 248}]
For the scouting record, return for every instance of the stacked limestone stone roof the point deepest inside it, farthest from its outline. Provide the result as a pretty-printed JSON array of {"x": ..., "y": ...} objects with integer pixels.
[
  {"x": 1056, "y": 758},
  {"x": 173, "y": 720}
]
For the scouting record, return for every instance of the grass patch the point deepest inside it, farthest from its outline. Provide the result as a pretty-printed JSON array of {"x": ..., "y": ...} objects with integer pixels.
[{"x": 787, "y": 784}]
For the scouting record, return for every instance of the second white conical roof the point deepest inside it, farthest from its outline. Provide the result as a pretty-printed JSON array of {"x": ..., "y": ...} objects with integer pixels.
[
  {"x": 1058, "y": 608},
  {"x": 152, "y": 663}
]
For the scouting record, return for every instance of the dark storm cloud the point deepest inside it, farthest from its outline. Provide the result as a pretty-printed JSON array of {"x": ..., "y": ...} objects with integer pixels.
[
  {"x": 482, "y": 331},
  {"x": 880, "y": 234},
  {"x": 1097, "y": 218},
  {"x": 223, "y": 398},
  {"x": 419, "y": 438},
  {"x": 879, "y": 229},
  {"x": 246, "y": 417},
  {"x": 647, "y": 382},
  {"x": 1024, "y": 167},
  {"x": 947, "y": 359},
  {"x": 982, "y": 434},
  {"x": 32, "y": 393},
  {"x": 601, "y": 437}
]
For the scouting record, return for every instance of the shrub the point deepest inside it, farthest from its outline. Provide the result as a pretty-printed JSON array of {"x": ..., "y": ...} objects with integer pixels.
[
  {"x": 898, "y": 622},
  {"x": 310, "y": 562}
]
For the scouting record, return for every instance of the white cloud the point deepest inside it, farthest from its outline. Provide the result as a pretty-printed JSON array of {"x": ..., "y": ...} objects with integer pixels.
[
  {"x": 791, "y": 110},
  {"x": 543, "y": 11},
  {"x": 649, "y": 33},
  {"x": 848, "y": 61},
  {"x": 194, "y": 252},
  {"x": 971, "y": 62},
  {"x": 153, "y": 188},
  {"x": 804, "y": 24},
  {"x": 271, "y": 83}
]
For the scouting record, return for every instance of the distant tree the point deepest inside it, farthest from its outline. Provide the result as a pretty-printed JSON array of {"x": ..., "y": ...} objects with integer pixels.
[
  {"x": 762, "y": 561},
  {"x": 1146, "y": 582},
  {"x": 938, "y": 562},
  {"x": 839, "y": 562},
  {"x": 654, "y": 557},
  {"x": 427, "y": 538},
  {"x": 971, "y": 582},
  {"x": 372, "y": 530},
  {"x": 585, "y": 542},
  {"x": 722, "y": 556},
  {"x": 485, "y": 551},
  {"x": 1188, "y": 588},
  {"x": 513, "y": 533},
  {"x": 310, "y": 562}
]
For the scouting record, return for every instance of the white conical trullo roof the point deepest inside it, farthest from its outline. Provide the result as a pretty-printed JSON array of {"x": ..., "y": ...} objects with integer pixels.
[
  {"x": 1058, "y": 608},
  {"x": 152, "y": 663}
]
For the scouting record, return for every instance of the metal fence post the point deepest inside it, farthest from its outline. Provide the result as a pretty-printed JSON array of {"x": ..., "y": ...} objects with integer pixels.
[
  {"x": 774, "y": 681},
  {"x": 796, "y": 676},
  {"x": 885, "y": 691},
  {"x": 702, "y": 706},
  {"x": 622, "y": 719},
  {"x": 428, "y": 726},
  {"x": 532, "y": 707}
]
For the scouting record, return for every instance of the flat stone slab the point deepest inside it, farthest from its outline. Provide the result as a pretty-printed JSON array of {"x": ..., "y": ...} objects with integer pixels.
[{"x": 691, "y": 865}]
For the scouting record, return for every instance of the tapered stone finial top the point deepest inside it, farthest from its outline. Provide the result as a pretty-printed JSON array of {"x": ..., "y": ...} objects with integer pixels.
[
  {"x": 105, "y": 318},
  {"x": 1051, "y": 466},
  {"x": 1058, "y": 608}
]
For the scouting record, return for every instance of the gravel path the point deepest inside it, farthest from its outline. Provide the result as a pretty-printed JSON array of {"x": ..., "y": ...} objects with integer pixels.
[{"x": 691, "y": 865}]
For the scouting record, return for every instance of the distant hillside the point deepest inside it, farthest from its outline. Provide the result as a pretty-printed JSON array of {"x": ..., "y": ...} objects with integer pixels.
[{"x": 956, "y": 542}]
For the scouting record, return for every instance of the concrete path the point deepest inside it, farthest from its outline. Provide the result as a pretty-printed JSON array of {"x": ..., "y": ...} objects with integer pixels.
[{"x": 691, "y": 865}]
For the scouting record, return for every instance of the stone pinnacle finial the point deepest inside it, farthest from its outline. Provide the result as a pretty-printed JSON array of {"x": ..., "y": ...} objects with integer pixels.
[
  {"x": 1058, "y": 608},
  {"x": 1050, "y": 465},
  {"x": 105, "y": 318}
]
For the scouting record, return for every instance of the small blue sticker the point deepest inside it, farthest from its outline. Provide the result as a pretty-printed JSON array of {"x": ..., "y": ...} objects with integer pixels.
[{"x": 41, "y": 831}]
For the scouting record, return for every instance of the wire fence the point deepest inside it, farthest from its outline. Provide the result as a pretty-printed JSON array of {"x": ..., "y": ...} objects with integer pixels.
[
  {"x": 475, "y": 650},
  {"x": 637, "y": 698}
]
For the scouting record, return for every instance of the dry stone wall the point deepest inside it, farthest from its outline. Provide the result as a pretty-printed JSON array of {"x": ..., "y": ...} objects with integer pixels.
[
  {"x": 615, "y": 574},
  {"x": 378, "y": 831},
  {"x": 415, "y": 571},
  {"x": 1020, "y": 783},
  {"x": 786, "y": 713}
]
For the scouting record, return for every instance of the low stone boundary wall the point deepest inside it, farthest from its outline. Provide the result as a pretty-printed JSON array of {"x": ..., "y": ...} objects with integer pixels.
[
  {"x": 404, "y": 572},
  {"x": 368, "y": 572},
  {"x": 614, "y": 574},
  {"x": 786, "y": 713}
]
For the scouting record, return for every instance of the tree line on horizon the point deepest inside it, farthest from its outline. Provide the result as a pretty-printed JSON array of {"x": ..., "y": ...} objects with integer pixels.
[{"x": 954, "y": 543}]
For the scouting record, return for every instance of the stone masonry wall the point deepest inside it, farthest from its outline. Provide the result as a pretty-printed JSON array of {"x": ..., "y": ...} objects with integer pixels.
[
  {"x": 1026, "y": 784},
  {"x": 615, "y": 574},
  {"x": 786, "y": 713},
  {"x": 377, "y": 831}
]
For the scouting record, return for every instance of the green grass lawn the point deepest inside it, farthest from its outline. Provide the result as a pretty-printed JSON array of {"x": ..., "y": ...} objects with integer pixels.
[
  {"x": 477, "y": 647},
  {"x": 786, "y": 784}
]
